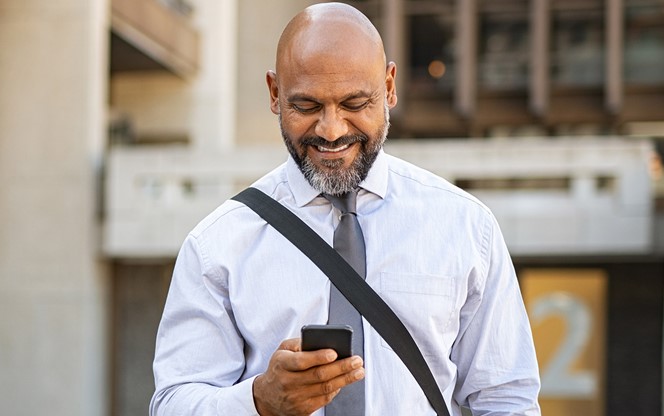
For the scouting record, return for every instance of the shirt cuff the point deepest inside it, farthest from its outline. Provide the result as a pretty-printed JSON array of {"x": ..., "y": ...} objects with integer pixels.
[{"x": 242, "y": 400}]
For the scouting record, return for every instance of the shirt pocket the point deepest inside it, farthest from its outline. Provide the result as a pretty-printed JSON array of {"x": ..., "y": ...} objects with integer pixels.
[{"x": 425, "y": 304}]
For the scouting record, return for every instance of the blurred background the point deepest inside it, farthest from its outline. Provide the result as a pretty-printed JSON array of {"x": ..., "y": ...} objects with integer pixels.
[{"x": 124, "y": 122}]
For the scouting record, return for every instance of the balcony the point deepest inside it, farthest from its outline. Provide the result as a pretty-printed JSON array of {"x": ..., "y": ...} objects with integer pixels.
[
  {"x": 152, "y": 35},
  {"x": 577, "y": 196}
]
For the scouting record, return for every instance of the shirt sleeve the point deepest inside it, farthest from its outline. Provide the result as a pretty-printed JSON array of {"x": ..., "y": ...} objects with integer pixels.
[
  {"x": 494, "y": 352},
  {"x": 199, "y": 357}
]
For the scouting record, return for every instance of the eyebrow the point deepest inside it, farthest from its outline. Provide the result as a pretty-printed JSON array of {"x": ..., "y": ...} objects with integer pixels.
[
  {"x": 353, "y": 95},
  {"x": 300, "y": 97}
]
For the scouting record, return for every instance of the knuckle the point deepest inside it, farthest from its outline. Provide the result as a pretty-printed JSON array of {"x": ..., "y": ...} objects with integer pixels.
[
  {"x": 311, "y": 405},
  {"x": 350, "y": 378},
  {"x": 298, "y": 361},
  {"x": 346, "y": 366},
  {"x": 283, "y": 347},
  {"x": 331, "y": 395},
  {"x": 277, "y": 358},
  {"x": 319, "y": 374},
  {"x": 291, "y": 344},
  {"x": 328, "y": 388}
]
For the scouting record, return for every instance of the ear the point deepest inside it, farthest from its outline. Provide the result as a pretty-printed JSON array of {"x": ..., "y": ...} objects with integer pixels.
[
  {"x": 391, "y": 84},
  {"x": 271, "y": 78}
]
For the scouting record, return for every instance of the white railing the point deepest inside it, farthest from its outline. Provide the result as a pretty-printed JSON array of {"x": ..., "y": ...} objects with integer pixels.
[{"x": 551, "y": 196}]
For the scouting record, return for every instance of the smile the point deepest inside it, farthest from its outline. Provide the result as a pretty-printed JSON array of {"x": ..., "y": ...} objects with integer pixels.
[{"x": 335, "y": 150}]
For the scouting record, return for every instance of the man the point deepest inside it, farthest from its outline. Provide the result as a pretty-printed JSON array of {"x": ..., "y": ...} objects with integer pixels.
[{"x": 228, "y": 341}]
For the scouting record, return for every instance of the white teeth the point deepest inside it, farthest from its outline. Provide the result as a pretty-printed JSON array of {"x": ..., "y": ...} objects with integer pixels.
[{"x": 335, "y": 150}]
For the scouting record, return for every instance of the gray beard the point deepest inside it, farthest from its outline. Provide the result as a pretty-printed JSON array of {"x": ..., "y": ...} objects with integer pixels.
[{"x": 332, "y": 179}]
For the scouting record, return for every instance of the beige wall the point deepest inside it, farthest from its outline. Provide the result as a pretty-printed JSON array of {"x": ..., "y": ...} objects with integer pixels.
[
  {"x": 263, "y": 22},
  {"x": 53, "y": 289},
  {"x": 200, "y": 109},
  {"x": 226, "y": 103}
]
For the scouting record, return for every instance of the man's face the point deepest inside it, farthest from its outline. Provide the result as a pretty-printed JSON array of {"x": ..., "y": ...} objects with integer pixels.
[
  {"x": 333, "y": 114},
  {"x": 336, "y": 175}
]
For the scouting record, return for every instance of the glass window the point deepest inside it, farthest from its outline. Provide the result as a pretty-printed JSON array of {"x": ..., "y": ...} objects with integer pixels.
[
  {"x": 430, "y": 46},
  {"x": 644, "y": 42},
  {"x": 577, "y": 56},
  {"x": 503, "y": 51}
]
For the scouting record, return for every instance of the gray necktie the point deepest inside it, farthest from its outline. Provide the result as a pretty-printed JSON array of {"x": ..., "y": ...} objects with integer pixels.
[{"x": 349, "y": 243}]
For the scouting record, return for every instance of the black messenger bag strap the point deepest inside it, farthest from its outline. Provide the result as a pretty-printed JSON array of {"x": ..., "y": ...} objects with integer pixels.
[{"x": 352, "y": 286}]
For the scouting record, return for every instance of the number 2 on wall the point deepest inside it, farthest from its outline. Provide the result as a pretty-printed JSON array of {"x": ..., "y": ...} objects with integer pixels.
[{"x": 558, "y": 377}]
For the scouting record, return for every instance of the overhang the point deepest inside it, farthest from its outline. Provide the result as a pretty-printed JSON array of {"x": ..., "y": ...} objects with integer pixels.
[{"x": 148, "y": 35}]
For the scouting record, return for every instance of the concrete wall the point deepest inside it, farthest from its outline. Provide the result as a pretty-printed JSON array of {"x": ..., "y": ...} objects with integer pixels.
[
  {"x": 163, "y": 106},
  {"x": 263, "y": 22},
  {"x": 593, "y": 195},
  {"x": 53, "y": 288},
  {"x": 226, "y": 104}
]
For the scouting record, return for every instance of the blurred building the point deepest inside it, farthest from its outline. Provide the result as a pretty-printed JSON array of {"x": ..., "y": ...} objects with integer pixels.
[
  {"x": 123, "y": 122},
  {"x": 516, "y": 67}
]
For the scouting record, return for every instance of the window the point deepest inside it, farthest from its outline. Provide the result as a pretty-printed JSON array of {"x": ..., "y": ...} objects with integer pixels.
[
  {"x": 644, "y": 42},
  {"x": 431, "y": 49},
  {"x": 503, "y": 46},
  {"x": 577, "y": 56}
]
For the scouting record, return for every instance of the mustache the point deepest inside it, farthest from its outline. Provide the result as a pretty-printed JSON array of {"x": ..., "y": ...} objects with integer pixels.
[{"x": 341, "y": 141}]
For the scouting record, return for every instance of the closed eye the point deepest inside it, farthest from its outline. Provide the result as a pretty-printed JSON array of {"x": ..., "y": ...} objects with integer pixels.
[
  {"x": 305, "y": 108},
  {"x": 356, "y": 106}
]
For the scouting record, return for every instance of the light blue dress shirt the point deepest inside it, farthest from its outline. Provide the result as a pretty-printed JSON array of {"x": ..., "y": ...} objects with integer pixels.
[{"x": 434, "y": 253}]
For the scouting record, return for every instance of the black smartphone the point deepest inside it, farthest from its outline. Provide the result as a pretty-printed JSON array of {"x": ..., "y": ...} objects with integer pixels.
[{"x": 336, "y": 337}]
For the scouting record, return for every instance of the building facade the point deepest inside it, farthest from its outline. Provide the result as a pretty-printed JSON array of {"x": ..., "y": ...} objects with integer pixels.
[{"x": 123, "y": 122}]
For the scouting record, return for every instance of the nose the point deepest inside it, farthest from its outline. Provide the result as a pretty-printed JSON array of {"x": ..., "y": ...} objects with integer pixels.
[{"x": 331, "y": 126}]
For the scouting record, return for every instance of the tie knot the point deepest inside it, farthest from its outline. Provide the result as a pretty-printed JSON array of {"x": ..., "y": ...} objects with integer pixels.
[{"x": 346, "y": 203}]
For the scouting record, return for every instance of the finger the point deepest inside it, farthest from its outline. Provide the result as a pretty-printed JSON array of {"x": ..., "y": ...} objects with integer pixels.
[
  {"x": 328, "y": 389},
  {"x": 292, "y": 344},
  {"x": 321, "y": 393},
  {"x": 345, "y": 367},
  {"x": 309, "y": 404},
  {"x": 343, "y": 380},
  {"x": 304, "y": 360},
  {"x": 336, "y": 369},
  {"x": 325, "y": 379},
  {"x": 316, "y": 402}
]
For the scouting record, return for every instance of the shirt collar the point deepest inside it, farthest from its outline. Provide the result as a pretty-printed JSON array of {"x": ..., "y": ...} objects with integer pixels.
[{"x": 375, "y": 182}]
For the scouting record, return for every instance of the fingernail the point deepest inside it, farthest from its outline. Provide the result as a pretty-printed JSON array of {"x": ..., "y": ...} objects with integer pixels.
[
  {"x": 357, "y": 362},
  {"x": 358, "y": 374},
  {"x": 331, "y": 355}
]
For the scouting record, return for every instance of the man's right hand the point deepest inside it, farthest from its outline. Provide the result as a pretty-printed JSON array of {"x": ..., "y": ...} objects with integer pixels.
[{"x": 300, "y": 382}]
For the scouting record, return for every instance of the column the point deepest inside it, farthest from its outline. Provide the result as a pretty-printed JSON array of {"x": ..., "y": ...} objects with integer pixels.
[{"x": 53, "y": 286}]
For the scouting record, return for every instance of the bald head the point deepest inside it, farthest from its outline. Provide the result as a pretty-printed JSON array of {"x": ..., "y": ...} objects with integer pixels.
[
  {"x": 332, "y": 91},
  {"x": 331, "y": 30}
]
